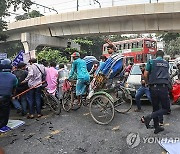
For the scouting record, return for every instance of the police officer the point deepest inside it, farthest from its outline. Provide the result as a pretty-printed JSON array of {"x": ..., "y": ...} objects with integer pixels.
[
  {"x": 158, "y": 78},
  {"x": 8, "y": 82}
]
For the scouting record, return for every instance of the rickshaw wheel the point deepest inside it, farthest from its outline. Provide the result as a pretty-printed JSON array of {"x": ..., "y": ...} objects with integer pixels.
[
  {"x": 124, "y": 103},
  {"x": 101, "y": 109},
  {"x": 66, "y": 101}
]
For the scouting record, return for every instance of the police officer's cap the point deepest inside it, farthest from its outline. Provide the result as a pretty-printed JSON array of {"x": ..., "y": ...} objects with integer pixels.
[{"x": 6, "y": 64}]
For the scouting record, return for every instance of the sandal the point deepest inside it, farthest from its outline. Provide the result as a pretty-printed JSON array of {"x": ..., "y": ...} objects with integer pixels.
[
  {"x": 39, "y": 115},
  {"x": 30, "y": 116},
  {"x": 142, "y": 119}
]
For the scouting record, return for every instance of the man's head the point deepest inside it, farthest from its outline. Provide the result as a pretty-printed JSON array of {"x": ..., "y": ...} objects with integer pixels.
[
  {"x": 103, "y": 58},
  {"x": 52, "y": 64},
  {"x": 110, "y": 49},
  {"x": 6, "y": 65},
  {"x": 44, "y": 62},
  {"x": 33, "y": 60},
  {"x": 61, "y": 66},
  {"x": 160, "y": 53},
  {"x": 21, "y": 65},
  {"x": 142, "y": 67},
  {"x": 131, "y": 63},
  {"x": 75, "y": 55}
]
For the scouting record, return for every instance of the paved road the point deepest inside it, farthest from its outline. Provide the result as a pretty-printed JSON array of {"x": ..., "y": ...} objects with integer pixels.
[{"x": 76, "y": 133}]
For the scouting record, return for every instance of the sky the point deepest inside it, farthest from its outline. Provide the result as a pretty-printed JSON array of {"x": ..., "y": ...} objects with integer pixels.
[{"x": 71, "y": 5}]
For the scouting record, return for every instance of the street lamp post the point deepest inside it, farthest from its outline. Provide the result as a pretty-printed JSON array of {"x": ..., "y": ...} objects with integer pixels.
[
  {"x": 112, "y": 2},
  {"x": 77, "y": 5}
]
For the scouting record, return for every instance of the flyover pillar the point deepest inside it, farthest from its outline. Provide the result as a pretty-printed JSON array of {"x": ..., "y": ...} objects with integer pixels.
[{"x": 30, "y": 41}]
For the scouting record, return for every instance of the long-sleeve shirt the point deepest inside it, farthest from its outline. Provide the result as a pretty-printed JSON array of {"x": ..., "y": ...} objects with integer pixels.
[
  {"x": 79, "y": 67},
  {"x": 52, "y": 79},
  {"x": 34, "y": 75}
]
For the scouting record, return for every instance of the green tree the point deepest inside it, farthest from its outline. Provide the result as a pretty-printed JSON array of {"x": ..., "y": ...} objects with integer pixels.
[
  {"x": 4, "y": 7},
  {"x": 11, "y": 48},
  {"x": 167, "y": 37},
  {"x": 52, "y": 55},
  {"x": 173, "y": 47},
  {"x": 32, "y": 14}
]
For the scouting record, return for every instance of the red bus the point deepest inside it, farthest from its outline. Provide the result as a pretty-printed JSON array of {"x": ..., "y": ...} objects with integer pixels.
[{"x": 138, "y": 50}]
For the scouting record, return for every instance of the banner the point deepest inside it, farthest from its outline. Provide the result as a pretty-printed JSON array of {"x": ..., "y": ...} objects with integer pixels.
[{"x": 18, "y": 59}]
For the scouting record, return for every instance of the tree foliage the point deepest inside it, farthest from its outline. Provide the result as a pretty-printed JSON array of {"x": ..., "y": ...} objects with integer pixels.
[
  {"x": 4, "y": 7},
  {"x": 172, "y": 43},
  {"x": 173, "y": 47},
  {"x": 167, "y": 37},
  {"x": 52, "y": 55},
  {"x": 32, "y": 14}
]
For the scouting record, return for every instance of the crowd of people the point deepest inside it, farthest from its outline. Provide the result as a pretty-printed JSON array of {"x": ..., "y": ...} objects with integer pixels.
[{"x": 25, "y": 83}]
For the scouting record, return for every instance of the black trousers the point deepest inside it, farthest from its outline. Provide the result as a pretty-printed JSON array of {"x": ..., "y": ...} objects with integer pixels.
[
  {"x": 160, "y": 102},
  {"x": 4, "y": 111}
]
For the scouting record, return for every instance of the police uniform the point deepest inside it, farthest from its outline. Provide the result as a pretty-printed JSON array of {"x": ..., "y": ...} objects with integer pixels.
[
  {"x": 158, "y": 83},
  {"x": 8, "y": 81}
]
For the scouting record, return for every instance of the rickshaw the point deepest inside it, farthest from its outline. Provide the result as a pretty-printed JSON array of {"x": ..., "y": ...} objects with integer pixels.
[{"x": 107, "y": 92}]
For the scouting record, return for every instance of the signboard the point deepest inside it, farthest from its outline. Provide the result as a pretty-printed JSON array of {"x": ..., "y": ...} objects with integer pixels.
[
  {"x": 3, "y": 55},
  {"x": 28, "y": 56}
]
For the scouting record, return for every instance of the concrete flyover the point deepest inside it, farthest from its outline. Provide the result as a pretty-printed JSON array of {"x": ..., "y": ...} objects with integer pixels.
[{"x": 140, "y": 18}]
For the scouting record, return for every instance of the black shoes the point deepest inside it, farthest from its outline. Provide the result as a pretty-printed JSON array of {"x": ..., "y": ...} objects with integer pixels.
[
  {"x": 147, "y": 120},
  {"x": 158, "y": 129}
]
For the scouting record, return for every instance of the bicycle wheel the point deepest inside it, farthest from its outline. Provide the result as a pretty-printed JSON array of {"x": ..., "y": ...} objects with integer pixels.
[
  {"x": 101, "y": 109},
  {"x": 124, "y": 103},
  {"x": 54, "y": 104},
  {"x": 66, "y": 101}
]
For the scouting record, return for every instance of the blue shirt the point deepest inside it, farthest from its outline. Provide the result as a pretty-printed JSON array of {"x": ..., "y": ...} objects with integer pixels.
[
  {"x": 8, "y": 81},
  {"x": 150, "y": 63},
  {"x": 79, "y": 67}
]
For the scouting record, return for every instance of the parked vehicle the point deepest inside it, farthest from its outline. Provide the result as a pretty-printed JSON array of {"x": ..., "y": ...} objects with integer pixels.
[{"x": 134, "y": 81}]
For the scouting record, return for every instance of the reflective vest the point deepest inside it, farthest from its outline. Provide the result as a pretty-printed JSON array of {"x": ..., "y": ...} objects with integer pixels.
[{"x": 159, "y": 73}]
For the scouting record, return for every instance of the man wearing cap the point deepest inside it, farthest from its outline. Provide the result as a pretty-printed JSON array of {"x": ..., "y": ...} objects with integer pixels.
[
  {"x": 8, "y": 82},
  {"x": 79, "y": 67},
  {"x": 21, "y": 74}
]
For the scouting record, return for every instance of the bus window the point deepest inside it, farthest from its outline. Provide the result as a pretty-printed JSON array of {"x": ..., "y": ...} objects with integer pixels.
[
  {"x": 140, "y": 44},
  {"x": 137, "y": 44},
  {"x": 117, "y": 46},
  {"x": 148, "y": 44},
  {"x": 120, "y": 47},
  {"x": 139, "y": 58},
  {"x": 134, "y": 45},
  {"x": 153, "y": 44},
  {"x": 124, "y": 46}
]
